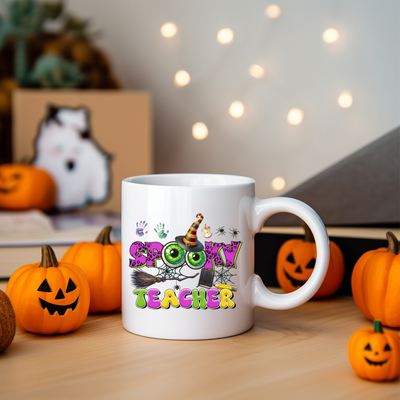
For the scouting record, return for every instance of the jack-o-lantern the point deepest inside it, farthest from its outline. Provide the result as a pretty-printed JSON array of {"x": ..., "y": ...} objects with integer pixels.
[
  {"x": 375, "y": 355},
  {"x": 296, "y": 261},
  {"x": 375, "y": 283},
  {"x": 49, "y": 297},
  {"x": 24, "y": 187},
  {"x": 101, "y": 262}
]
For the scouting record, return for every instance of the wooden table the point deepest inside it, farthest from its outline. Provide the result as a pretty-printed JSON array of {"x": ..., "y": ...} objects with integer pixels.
[{"x": 295, "y": 354}]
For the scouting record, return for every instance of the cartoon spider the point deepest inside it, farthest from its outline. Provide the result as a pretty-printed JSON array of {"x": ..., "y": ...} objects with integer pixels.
[
  {"x": 220, "y": 231},
  {"x": 234, "y": 232},
  {"x": 176, "y": 287}
]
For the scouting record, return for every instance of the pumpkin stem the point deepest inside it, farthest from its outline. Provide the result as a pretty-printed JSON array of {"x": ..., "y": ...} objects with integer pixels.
[
  {"x": 308, "y": 236},
  {"x": 378, "y": 326},
  {"x": 49, "y": 258},
  {"x": 104, "y": 236},
  {"x": 393, "y": 243}
]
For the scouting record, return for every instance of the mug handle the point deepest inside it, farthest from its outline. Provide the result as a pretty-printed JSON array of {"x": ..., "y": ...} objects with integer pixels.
[{"x": 261, "y": 210}]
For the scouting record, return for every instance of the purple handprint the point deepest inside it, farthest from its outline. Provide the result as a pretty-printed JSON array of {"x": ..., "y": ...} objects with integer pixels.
[{"x": 140, "y": 227}]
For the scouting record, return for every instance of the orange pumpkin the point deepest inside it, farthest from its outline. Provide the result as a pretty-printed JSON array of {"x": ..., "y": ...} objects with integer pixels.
[
  {"x": 49, "y": 297},
  {"x": 296, "y": 260},
  {"x": 101, "y": 262},
  {"x": 375, "y": 283},
  {"x": 23, "y": 187},
  {"x": 375, "y": 355}
]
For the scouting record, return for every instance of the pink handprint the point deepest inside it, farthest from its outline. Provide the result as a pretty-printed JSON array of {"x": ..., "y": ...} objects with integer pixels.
[{"x": 140, "y": 227}]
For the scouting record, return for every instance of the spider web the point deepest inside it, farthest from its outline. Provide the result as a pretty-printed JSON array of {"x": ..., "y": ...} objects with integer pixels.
[
  {"x": 223, "y": 275},
  {"x": 171, "y": 273}
]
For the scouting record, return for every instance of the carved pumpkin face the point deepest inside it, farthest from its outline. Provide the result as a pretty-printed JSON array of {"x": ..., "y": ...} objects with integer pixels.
[
  {"x": 55, "y": 299},
  {"x": 377, "y": 351},
  {"x": 9, "y": 183},
  {"x": 58, "y": 301},
  {"x": 24, "y": 187},
  {"x": 374, "y": 355},
  {"x": 296, "y": 261}
]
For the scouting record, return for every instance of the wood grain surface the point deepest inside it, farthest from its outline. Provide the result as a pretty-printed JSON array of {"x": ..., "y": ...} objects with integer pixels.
[{"x": 296, "y": 354}]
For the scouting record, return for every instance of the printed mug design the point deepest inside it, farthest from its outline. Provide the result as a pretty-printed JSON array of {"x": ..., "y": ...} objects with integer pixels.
[{"x": 173, "y": 261}]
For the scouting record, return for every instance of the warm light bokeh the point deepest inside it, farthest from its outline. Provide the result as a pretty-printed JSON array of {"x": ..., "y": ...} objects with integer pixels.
[
  {"x": 345, "y": 99},
  {"x": 168, "y": 30},
  {"x": 225, "y": 36},
  {"x": 295, "y": 116},
  {"x": 278, "y": 183},
  {"x": 182, "y": 78},
  {"x": 199, "y": 131},
  {"x": 330, "y": 35},
  {"x": 273, "y": 11},
  {"x": 236, "y": 109},
  {"x": 256, "y": 71}
]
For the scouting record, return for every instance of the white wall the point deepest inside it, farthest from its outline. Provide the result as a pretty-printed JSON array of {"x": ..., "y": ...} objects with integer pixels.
[{"x": 301, "y": 71}]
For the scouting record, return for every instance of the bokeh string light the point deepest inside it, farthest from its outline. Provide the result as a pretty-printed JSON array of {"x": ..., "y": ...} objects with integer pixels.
[
  {"x": 236, "y": 109},
  {"x": 168, "y": 30},
  {"x": 278, "y": 183},
  {"x": 199, "y": 131},
  {"x": 295, "y": 116},
  {"x": 273, "y": 11},
  {"x": 256, "y": 71},
  {"x": 345, "y": 99},
  {"x": 225, "y": 36},
  {"x": 182, "y": 78},
  {"x": 330, "y": 35}
]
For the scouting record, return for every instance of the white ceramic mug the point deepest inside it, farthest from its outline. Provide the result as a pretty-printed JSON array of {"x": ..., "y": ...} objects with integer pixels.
[{"x": 188, "y": 255}]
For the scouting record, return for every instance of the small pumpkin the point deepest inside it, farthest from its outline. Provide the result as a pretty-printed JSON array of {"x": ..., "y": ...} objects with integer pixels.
[
  {"x": 101, "y": 262},
  {"x": 375, "y": 355},
  {"x": 296, "y": 261},
  {"x": 375, "y": 283},
  {"x": 49, "y": 296},
  {"x": 7, "y": 321},
  {"x": 24, "y": 187}
]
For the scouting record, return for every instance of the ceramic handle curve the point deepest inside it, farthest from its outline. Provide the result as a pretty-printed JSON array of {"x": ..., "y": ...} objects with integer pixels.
[{"x": 262, "y": 210}]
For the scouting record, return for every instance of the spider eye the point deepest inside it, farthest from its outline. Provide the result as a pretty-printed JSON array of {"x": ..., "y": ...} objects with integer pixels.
[
  {"x": 196, "y": 260},
  {"x": 173, "y": 255}
]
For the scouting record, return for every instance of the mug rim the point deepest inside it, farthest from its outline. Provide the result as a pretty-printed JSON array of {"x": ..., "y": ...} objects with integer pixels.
[{"x": 230, "y": 180}]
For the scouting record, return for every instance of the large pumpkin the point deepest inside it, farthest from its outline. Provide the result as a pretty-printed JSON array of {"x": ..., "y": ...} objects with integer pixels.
[
  {"x": 375, "y": 355},
  {"x": 296, "y": 261},
  {"x": 49, "y": 297},
  {"x": 23, "y": 187},
  {"x": 101, "y": 262},
  {"x": 375, "y": 283}
]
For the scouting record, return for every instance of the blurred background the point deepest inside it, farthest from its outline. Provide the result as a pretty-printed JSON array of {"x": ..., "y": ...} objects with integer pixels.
[
  {"x": 301, "y": 71},
  {"x": 275, "y": 91}
]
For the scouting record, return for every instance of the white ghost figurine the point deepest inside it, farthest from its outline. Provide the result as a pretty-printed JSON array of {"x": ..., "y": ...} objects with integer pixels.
[{"x": 79, "y": 167}]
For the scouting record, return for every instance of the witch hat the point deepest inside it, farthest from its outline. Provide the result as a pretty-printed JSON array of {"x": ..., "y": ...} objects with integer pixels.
[{"x": 189, "y": 242}]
